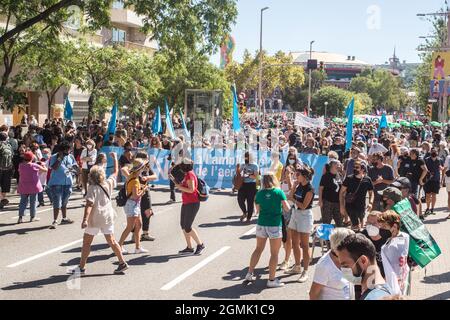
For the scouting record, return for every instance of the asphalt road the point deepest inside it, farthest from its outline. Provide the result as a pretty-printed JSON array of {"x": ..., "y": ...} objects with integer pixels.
[{"x": 34, "y": 260}]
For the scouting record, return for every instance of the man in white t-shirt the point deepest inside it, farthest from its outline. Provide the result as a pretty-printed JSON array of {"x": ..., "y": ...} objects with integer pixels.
[{"x": 328, "y": 282}]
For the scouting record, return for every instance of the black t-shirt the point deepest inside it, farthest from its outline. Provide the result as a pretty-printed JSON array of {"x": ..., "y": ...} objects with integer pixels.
[
  {"x": 359, "y": 188},
  {"x": 293, "y": 139},
  {"x": 385, "y": 235},
  {"x": 331, "y": 187},
  {"x": 300, "y": 194},
  {"x": 123, "y": 161},
  {"x": 405, "y": 166},
  {"x": 416, "y": 169},
  {"x": 339, "y": 149}
]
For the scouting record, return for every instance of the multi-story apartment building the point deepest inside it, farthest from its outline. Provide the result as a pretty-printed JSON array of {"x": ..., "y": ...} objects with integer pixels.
[{"x": 126, "y": 25}]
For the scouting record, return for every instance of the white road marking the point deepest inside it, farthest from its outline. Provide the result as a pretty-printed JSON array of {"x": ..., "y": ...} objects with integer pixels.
[
  {"x": 43, "y": 254},
  {"x": 249, "y": 232},
  {"x": 194, "y": 269}
]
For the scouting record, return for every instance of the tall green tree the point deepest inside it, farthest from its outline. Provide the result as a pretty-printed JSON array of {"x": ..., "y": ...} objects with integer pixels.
[
  {"x": 384, "y": 89},
  {"x": 279, "y": 72},
  {"x": 178, "y": 25},
  {"x": 114, "y": 72},
  {"x": 193, "y": 71},
  {"x": 49, "y": 69}
]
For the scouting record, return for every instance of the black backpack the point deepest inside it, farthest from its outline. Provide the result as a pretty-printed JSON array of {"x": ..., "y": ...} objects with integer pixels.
[{"x": 122, "y": 197}]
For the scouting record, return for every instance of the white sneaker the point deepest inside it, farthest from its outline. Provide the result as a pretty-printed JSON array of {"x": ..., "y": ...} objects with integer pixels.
[
  {"x": 284, "y": 265},
  {"x": 250, "y": 277},
  {"x": 275, "y": 283},
  {"x": 124, "y": 251},
  {"x": 304, "y": 277},
  {"x": 140, "y": 250},
  {"x": 294, "y": 270}
]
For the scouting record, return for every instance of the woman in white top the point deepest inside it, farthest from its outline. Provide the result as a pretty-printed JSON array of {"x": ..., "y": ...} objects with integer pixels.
[
  {"x": 99, "y": 215},
  {"x": 394, "y": 254},
  {"x": 328, "y": 282},
  {"x": 88, "y": 158}
]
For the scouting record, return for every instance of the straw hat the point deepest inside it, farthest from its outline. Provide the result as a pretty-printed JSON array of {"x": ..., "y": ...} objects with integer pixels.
[{"x": 138, "y": 164}]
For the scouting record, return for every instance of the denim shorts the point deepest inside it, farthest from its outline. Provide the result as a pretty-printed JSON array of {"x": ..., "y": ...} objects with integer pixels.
[
  {"x": 269, "y": 232},
  {"x": 132, "y": 208},
  {"x": 302, "y": 221},
  {"x": 60, "y": 196}
]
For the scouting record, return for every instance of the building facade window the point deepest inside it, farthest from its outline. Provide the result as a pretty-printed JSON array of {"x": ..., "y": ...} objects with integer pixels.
[
  {"x": 118, "y": 35},
  {"x": 118, "y": 4}
]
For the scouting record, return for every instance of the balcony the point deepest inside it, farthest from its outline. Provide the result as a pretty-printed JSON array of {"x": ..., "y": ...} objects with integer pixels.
[
  {"x": 133, "y": 46},
  {"x": 126, "y": 17}
]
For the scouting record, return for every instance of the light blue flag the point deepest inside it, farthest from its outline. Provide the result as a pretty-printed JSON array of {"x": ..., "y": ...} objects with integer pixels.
[
  {"x": 68, "y": 111},
  {"x": 157, "y": 125},
  {"x": 383, "y": 124},
  {"x": 169, "y": 125},
  {"x": 349, "y": 112},
  {"x": 236, "y": 122},
  {"x": 112, "y": 122},
  {"x": 186, "y": 131}
]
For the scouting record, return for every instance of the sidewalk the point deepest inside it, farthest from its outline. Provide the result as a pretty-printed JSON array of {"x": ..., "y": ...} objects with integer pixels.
[{"x": 433, "y": 282}]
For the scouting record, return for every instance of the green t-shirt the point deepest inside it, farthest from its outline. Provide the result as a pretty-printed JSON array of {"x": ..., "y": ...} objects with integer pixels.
[{"x": 271, "y": 209}]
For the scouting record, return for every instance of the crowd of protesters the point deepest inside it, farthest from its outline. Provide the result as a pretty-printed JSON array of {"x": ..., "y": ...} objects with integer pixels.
[{"x": 358, "y": 188}]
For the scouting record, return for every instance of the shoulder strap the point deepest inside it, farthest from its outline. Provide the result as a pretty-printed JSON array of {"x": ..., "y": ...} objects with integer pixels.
[{"x": 107, "y": 194}]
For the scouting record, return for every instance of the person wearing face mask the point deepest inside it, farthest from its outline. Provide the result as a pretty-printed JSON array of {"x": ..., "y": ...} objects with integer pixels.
[
  {"x": 247, "y": 192},
  {"x": 390, "y": 197},
  {"x": 60, "y": 182},
  {"x": 394, "y": 254},
  {"x": 382, "y": 176},
  {"x": 328, "y": 282},
  {"x": 404, "y": 185},
  {"x": 417, "y": 172},
  {"x": 145, "y": 143},
  {"x": 349, "y": 163},
  {"x": 88, "y": 158},
  {"x": 433, "y": 184},
  {"x": 357, "y": 256},
  {"x": 352, "y": 196},
  {"x": 302, "y": 221},
  {"x": 329, "y": 188},
  {"x": 189, "y": 208},
  {"x": 376, "y": 235},
  {"x": 404, "y": 162}
]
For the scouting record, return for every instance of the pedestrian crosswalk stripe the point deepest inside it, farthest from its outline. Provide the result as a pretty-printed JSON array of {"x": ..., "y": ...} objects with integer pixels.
[{"x": 194, "y": 269}]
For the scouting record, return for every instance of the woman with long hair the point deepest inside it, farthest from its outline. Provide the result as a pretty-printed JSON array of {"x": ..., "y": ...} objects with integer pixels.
[
  {"x": 270, "y": 203},
  {"x": 189, "y": 208},
  {"x": 301, "y": 223},
  {"x": 135, "y": 191}
]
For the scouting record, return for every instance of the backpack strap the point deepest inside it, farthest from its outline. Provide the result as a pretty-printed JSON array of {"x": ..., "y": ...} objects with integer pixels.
[{"x": 107, "y": 194}]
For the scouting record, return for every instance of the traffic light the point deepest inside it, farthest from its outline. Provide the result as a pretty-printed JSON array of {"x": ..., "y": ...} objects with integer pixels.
[
  {"x": 429, "y": 110},
  {"x": 322, "y": 67}
]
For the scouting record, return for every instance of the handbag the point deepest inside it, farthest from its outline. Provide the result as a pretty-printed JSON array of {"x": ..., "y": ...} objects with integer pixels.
[
  {"x": 351, "y": 197},
  {"x": 238, "y": 179}
]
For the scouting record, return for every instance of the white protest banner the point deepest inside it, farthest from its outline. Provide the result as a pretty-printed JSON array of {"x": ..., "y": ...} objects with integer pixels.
[{"x": 303, "y": 121}]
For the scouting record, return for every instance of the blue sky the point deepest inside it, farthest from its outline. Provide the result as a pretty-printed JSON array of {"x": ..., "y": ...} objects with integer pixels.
[{"x": 367, "y": 29}]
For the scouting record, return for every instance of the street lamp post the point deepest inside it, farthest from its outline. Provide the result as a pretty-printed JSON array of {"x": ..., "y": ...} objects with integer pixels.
[
  {"x": 261, "y": 65},
  {"x": 326, "y": 105},
  {"x": 310, "y": 80}
]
